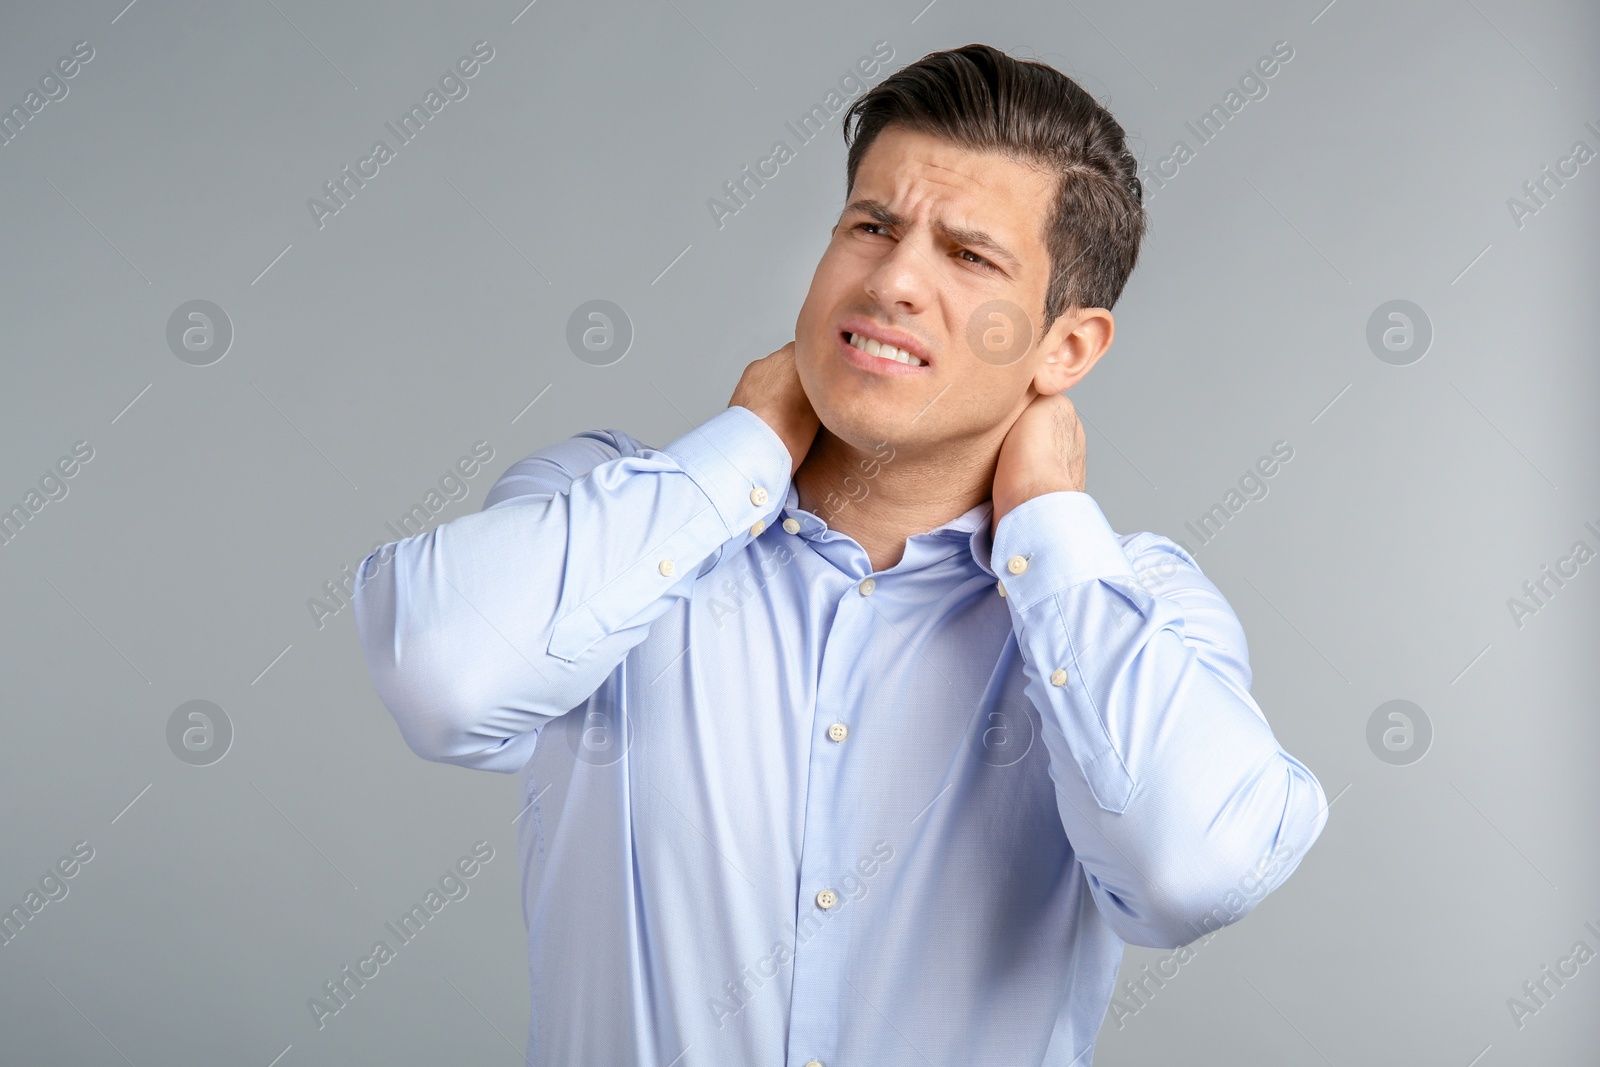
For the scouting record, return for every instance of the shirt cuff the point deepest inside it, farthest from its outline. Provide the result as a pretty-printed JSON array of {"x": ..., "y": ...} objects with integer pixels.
[
  {"x": 739, "y": 462},
  {"x": 1052, "y": 542}
]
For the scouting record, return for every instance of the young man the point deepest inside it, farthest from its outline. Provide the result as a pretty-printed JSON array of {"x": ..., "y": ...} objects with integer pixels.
[{"x": 850, "y": 732}]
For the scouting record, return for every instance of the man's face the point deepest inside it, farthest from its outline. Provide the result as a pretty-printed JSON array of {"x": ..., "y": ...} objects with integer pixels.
[{"x": 940, "y": 252}]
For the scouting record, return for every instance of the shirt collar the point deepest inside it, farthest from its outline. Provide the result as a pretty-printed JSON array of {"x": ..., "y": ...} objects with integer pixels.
[{"x": 970, "y": 528}]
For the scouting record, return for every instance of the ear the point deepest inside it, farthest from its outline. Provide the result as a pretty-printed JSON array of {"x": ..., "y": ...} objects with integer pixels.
[{"x": 1074, "y": 343}]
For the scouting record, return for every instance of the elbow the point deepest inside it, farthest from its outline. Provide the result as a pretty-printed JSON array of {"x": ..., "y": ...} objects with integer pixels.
[
  {"x": 434, "y": 717},
  {"x": 1222, "y": 881},
  {"x": 1186, "y": 902},
  {"x": 446, "y": 717},
  {"x": 452, "y": 704},
  {"x": 433, "y": 701},
  {"x": 429, "y": 740},
  {"x": 452, "y": 689},
  {"x": 1169, "y": 915}
]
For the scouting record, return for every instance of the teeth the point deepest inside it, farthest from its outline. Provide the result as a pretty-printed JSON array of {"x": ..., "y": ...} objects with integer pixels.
[{"x": 883, "y": 351}]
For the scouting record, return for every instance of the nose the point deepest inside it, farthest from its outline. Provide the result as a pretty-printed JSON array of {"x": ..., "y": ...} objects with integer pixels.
[{"x": 902, "y": 280}]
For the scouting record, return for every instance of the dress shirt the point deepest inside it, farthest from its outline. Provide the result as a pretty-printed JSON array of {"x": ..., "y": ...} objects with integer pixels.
[{"x": 778, "y": 808}]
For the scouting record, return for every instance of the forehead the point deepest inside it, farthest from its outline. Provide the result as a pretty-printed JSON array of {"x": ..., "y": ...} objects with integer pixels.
[{"x": 926, "y": 177}]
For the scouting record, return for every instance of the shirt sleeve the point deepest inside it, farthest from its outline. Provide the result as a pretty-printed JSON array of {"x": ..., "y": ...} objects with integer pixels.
[
  {"x": 1177, "y": 798},
  {"x": 480, "y": 631}
]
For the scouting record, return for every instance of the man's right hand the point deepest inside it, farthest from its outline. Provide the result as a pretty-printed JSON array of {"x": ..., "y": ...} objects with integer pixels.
[{"x": 771, "y": 388}]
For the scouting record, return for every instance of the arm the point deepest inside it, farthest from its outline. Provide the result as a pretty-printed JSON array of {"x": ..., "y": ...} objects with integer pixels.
[
  {"x": 487, "y": 627},
  {"x": 1180, "y": 803}
]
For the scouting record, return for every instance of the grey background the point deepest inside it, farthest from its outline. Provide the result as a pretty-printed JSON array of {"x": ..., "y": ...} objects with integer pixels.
[{"x": 432, "y": 310}]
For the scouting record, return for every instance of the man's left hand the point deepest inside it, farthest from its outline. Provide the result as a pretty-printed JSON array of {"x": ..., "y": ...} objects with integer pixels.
[{"x": 1043, "y": 452}]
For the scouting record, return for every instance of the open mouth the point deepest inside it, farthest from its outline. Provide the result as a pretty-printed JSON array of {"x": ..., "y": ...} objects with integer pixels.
[{"x": 881, "y": 350}]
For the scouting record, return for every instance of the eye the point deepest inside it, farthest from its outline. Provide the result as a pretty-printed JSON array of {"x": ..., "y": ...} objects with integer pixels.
[
  {"x": 867, "y": 226},
  {"x": 977, "y": 259}
]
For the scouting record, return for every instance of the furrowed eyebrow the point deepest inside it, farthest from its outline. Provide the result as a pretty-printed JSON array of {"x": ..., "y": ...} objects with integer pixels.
[
  {"x": 880, "y": 212},
  {"x": 979, "y": 240},
  {"x": 876, "y": 210}
]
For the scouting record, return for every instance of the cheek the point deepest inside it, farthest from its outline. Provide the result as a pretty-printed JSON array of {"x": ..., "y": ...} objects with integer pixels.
[
  {"x": 808, "y": 326},
  {"x": 811, "y": 323},
  {"x": 811, "y": 340},
  {"x": 834, "y": 276},
  {"x": 991, "y": 396},
  {"x": 805, "y": 368}
]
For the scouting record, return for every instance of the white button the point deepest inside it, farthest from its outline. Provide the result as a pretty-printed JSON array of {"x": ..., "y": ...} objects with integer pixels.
[
  {"x": 666, "y": 567},
  {"x": 813, "y": 1063},
  {"x": 998, "y": 584},
  {"x": 1016, "y": 564},
  {"x": 1059, "y": 677},
  {"x": 791, "y": 526},
  {"x": 827, "y": 899},
  {"x": 761, "y": 524},
  {"x": 838, "y": 732},
  {"x": 758, "y": 496},
  {"x": 867, "y": 586}
]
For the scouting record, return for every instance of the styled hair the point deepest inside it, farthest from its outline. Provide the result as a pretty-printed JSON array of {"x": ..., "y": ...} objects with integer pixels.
[{"x": 981, "y": 99}]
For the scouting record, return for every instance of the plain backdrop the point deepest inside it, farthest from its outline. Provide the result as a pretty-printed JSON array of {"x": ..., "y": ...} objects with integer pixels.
[{"x": 372, "y": 349}]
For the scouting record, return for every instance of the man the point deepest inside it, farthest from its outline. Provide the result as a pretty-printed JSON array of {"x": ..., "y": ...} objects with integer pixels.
[{"x": 850, "y": 732}]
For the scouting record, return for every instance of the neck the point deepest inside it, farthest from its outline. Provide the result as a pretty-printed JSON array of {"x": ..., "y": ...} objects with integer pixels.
[{"x": 882, "y": 496}]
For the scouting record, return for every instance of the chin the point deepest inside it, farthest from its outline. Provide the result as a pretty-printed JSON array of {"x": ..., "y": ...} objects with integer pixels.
[
  {"x": 864, "y": 428},
  {"x": 847, "y": 412}
]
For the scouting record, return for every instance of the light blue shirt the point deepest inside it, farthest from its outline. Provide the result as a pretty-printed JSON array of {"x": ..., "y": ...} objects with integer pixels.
[{"x": 778, "y": 808}]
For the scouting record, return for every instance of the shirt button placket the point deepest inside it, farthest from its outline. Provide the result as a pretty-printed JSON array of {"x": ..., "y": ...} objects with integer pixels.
[{"x": 821, "y": 939}]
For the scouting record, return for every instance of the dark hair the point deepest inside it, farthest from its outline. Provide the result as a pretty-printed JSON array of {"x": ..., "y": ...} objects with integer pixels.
[{"x": 984, "y": 100}]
